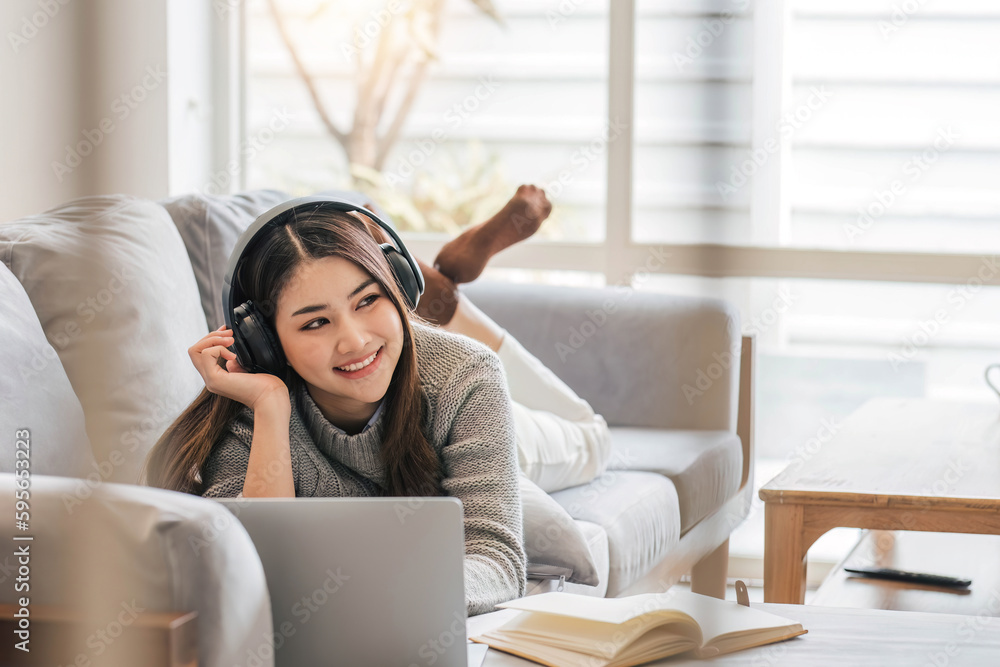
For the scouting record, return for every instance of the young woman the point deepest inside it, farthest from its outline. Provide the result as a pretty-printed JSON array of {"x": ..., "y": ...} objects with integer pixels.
[{"x": 376, "y": 400}]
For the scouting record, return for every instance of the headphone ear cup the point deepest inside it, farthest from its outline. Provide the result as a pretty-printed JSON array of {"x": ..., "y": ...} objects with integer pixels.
[
  {"x": 404, "y": 274},
  {"x": 257, "y": 347}
]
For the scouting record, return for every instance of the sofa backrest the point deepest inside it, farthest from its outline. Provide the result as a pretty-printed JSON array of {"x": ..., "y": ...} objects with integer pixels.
[
  {"x": 210, "y": 225},
  {"x": 640, "y": 359},
  {"x": 113, "y": 290}
]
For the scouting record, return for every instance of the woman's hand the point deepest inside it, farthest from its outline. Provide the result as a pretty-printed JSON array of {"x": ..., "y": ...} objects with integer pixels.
[{"x": 233, "y": 381}]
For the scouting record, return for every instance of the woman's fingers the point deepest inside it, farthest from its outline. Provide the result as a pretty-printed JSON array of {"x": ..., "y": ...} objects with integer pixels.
[
  {"x": 211, "y": 371},
  {"x": 233, "y": 366},
  {"x": 206, "y": 358},
  {"x": 210, "y": 341}
]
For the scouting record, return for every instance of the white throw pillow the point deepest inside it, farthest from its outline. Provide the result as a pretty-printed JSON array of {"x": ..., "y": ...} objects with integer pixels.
[
  {"x": 35, "y": 395},
  {"x": 113, "y": 289},
  {"x": 553, "y": 542},
  {"x": 210, "y": 225}
]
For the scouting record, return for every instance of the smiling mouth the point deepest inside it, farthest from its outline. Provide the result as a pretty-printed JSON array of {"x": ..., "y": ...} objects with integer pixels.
[{"x": 367, "y": 364}]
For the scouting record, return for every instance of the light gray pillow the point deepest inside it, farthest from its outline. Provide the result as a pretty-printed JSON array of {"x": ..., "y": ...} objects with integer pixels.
[
  {"x": 210, "y": 225},
  {"x": 553, "y": 542},
  {"x": 113, "y": 289},
  {"x": 35, "y": 394}
]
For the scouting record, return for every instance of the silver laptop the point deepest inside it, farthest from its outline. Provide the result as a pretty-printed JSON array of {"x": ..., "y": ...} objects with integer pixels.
[{"x": 363, "y": 581}]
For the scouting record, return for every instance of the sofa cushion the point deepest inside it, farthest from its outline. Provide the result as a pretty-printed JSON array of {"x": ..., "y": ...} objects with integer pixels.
[
  {"x": 706, "y": 467},
  {"x": 210, "y": 226},
  {"x": 597, "y": 542},
  {"x": 113, "y": 289},
  {"x": 35, "y": 393},
  {"x": 639, "y": 512},
  {"x": 552, "y": 540},
  {"x": 149, "y": 549}
]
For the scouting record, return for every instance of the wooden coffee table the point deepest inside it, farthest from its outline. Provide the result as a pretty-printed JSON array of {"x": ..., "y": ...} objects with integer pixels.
[
  {"x": 855, "y": 637},
  {"x": 895, "y": 464}
]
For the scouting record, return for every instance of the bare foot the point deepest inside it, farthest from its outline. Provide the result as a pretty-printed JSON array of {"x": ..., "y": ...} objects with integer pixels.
[
  {"x": 463, "y": 258},
  {"x": 440, "y": 298}
]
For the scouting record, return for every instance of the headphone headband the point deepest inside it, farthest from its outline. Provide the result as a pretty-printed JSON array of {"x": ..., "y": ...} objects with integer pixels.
[
  {"x": 315, "y": 203},
  {"x": 255, "y": 345}
]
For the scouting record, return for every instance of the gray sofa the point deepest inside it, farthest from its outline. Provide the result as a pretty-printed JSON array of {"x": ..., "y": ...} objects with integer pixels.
[{"x": 99, "y": 300}]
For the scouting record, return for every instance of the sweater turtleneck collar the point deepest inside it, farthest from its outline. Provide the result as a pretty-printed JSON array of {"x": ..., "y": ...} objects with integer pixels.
[{"x": 359, "y": 452}]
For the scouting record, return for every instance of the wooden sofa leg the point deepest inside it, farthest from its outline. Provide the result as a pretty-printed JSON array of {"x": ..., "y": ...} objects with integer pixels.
[{"x": 708, "y": 576}]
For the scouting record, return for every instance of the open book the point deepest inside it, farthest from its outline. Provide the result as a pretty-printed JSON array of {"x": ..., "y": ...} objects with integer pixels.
[{"x": 566, "y": 630}]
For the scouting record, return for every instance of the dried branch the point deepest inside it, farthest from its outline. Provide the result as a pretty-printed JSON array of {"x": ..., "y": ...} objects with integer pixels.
[
  {"x": 307, "y": 78},
  {"x": 487, "y": 7},
  {"x": 364, "y": 141},
  {"x": 387, "y": 141},
  {"x": 383, "y": 95}
]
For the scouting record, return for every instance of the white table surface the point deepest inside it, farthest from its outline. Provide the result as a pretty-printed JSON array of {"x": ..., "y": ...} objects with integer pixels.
[{"x": 837, "y": 636}]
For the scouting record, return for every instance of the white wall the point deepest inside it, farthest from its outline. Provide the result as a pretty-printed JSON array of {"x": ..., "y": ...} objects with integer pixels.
[
  {"x": 42, "y": 107},
  {"x": 72, "y": 67}
]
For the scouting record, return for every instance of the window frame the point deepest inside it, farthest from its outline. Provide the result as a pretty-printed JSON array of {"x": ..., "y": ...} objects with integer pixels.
[{"x": 618, "y": 258}]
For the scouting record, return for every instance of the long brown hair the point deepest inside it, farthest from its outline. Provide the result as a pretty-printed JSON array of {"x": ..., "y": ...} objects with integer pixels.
[{"x": 412, "y": 467}]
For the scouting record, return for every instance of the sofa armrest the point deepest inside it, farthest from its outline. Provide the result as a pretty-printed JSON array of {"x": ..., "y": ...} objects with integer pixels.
[
  {"x": 745, "y": 421},
  {"x": 640, "y": 359},
  {"x": 118, "y": 551}
]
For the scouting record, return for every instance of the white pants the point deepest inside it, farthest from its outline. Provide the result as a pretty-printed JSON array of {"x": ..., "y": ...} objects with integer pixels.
[{"x": 561, "y": 441}]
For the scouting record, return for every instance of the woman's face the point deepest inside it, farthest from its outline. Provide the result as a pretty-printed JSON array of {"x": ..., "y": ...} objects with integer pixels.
[{"x": 332, "y": 315}]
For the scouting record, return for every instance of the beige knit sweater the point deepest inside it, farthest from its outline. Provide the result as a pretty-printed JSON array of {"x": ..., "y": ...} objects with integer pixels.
[{"x": 468, "y": 422}]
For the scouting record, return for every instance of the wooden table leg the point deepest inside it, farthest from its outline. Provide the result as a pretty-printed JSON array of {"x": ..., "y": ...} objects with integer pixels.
[{"x": 784, "y": 554}]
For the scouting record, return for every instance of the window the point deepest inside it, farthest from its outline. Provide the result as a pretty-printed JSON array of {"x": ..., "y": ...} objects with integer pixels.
[
  {"x": 519, "y": 97},
  {"x": 837, "y": 157}
]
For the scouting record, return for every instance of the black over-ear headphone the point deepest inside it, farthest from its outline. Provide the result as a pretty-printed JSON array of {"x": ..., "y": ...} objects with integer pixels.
[{"x": 254, "y": 342}]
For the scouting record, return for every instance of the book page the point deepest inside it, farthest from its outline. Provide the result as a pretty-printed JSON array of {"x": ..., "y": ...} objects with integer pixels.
[
  {"x": 605, "y": 610},
  {"x": 603, "y": 640},
  {"x": 720, "y": 617},
  {"x": 613, "y": 629}
]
